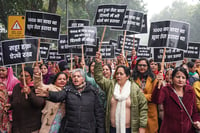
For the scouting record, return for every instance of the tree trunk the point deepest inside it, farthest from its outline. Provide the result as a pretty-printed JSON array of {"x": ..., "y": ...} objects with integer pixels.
[{"x": 52, "y": 6}]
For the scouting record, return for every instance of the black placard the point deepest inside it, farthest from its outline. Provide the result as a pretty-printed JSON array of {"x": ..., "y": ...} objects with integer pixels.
[
  {"x": 1, "y": 57},
  {"x": 44, "y": 50},
  {"x": 113, "y": 43},
  {"x": 110, "y": 15},
  {"x": 76, "y": 49},
  {"x": 90, "y": 50},
  {"x": 82, "y": 36},
  {"x": 118, "y": 51},
  {"x": 144, "y": 24},
  {"x": 40, "y": 24},
  {"x": 107, "y": 51},
  {"x": 172, "y": 34},
  {"x": 128, "y": 44},
  {"x": 143, "y": 51},
  {"x": 54, "y": 56},
  {"x": 78, "y": 22},
  {"x": 132, "y": 22},
  {"x": 63, "y": 47},
  {"x": 19, "y": 51},
  {"x": 171, "y": 55},
  {"x": 192, "y": 51},
  {"x": 68, "y": 58}
]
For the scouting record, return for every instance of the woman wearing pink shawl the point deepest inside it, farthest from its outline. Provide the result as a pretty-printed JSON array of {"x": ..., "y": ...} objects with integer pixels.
[
  {"x": 9, "y": 80},
  {"x": 7, "y": 77}
]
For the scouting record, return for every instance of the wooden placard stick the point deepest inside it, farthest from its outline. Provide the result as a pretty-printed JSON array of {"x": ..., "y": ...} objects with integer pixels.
[
  {"x": 162, "y": 65},
  {"x": 83, "y": 58},
  {"x": 133, "y": 41},
  {"x": 38, "y": 52},
  {"x": 102, "y": 37},
  {"x": 24, "y": 80},
  {"x": 123, "y": 42},
  {"x": 71, "y": 63},
  {"x": 133, "y": 47}
]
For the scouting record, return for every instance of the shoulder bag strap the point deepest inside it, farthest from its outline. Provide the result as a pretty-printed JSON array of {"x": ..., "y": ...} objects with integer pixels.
[{"x": 184, "y": 107}]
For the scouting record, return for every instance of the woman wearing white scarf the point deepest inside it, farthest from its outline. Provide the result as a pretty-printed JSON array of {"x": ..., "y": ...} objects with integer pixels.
[
  {"x": 126, "y": 110},
  {"x": 121, "y": 94}
]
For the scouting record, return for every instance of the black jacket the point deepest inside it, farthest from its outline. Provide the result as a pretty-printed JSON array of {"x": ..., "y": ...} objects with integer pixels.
[
  {"x": 84, "y": 113},
  {"x": 26, "y": 112}
]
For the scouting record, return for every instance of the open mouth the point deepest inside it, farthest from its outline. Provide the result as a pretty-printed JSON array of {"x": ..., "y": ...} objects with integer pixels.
[{"x": 118, "y": 79}]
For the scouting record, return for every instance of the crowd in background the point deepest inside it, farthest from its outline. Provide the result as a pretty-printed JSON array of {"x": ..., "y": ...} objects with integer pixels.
[{"x": 101, "y": 96}]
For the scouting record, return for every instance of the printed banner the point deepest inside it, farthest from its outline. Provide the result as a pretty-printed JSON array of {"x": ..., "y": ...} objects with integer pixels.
[
  {"x": 1, "y": 57},
  {"x": 107, "y": 51},
  {"x": 113, "y": 43},
  {"x": 172, "y": 55},
  {"x": 132, "y": 22},
  {"x": 130, "y": 42},
  {"x": 82, "y": 36},
  {"x": 63, "y": 47},
  {"x": 143, "y": 51},
  {"x": 54, "y": 56},
  {"x": 110, "y": 15},
  {"x": 192, "y": 51},
  {"x": 19, "y": 51},
  {"x": 170, "y": 34},
  {"x": 44, "y": 25},
  {"x": 78, "y": 22},
  {"x": 44, "y": 50}
]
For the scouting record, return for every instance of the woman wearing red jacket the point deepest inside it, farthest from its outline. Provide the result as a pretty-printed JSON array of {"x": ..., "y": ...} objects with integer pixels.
[{"x": 175, "y": 118}]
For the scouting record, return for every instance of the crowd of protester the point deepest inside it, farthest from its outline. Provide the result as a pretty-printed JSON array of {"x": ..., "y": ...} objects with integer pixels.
[{"x": 101, "y": 96}]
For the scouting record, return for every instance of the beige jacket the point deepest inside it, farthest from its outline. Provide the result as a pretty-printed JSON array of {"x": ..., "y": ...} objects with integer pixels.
[{"x": 50, "y": 110}]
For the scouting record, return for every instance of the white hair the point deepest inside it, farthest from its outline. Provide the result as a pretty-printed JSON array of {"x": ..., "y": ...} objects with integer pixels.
[{"x": 79, "y": 70}]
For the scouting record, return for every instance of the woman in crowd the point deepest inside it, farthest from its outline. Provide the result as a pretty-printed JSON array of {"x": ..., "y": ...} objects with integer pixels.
[
  {"x": 26, "y": 105},
  {"x": 107, "y": 71},
  {"x": 168, "y": 76},
  {"x": 9, "y": 80},
  {"x": 155, "y": 67},
  {"x": 193, "y": 75},
  {"x": 196, "y": 86},
  {"x": 168, "y": 80},
  {"x": 52, "y": 113},
  {"x": 145, "y": 78},
  {"x": 176, "y": 119},
  {"x": 84, "y": 114},
  {"x": 126, "y": 110},
  {"x": 133, "y": 58},
  {"x": 45, "y": 74},
  {"x": 5, "y": 126},
  {"x": 91, "y": 80},
  {"x": 7, "y": 77},
  {"x": 91, "y": 69}
]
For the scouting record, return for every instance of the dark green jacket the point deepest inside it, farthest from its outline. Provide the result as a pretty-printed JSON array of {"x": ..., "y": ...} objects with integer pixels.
[{"x": 138, "y": 101}]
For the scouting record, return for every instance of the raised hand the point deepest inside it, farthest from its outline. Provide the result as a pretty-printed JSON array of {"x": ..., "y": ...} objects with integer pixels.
[
  {"x": 26, "y": 89},
  {"x": 98, "y": 57},
  {"x": 160, "y": 79},
  {"x": 42, "y": 92}
]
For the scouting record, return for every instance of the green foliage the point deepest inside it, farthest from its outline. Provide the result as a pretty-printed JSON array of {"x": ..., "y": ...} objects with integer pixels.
[
  {"x": 76, "y": 9},
  {"x": 16, "y": 7},
  {"x": 181, "y": 11},
  {"x": 86, "y": 9}
]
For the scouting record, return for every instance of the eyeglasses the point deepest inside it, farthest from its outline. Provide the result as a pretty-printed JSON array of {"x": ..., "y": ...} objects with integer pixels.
[{"x": 142, "y": 65}]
